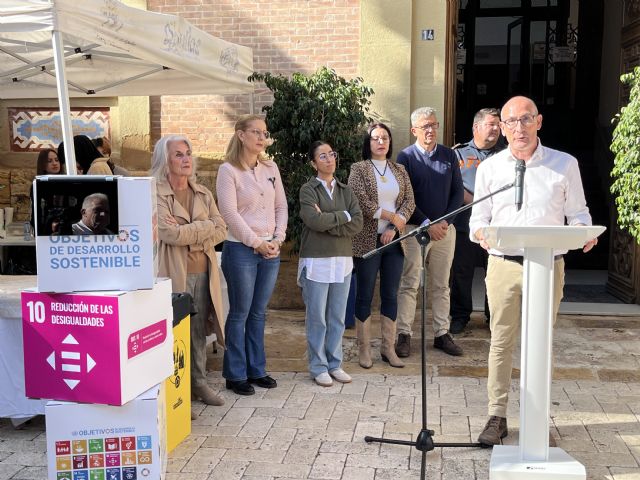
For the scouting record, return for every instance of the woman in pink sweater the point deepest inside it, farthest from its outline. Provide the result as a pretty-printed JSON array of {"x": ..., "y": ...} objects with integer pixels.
[{"x": 252, "y": 202}]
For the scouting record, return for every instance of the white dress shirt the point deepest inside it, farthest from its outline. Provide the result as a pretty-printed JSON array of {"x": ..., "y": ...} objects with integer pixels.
[{"x": 552, "y": 192}]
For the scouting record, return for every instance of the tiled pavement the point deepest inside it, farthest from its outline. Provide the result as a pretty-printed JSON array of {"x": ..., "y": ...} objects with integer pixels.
[{"x": 300, "y": 430}]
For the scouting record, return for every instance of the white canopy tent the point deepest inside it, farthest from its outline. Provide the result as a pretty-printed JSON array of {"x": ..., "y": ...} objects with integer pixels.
[{"x": 78, "y": 48}]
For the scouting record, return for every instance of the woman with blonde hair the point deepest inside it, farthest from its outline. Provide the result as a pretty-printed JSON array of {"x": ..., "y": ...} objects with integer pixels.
[
  {"x": 252, "y": 201},
  {"x": 189, "y": 227}
]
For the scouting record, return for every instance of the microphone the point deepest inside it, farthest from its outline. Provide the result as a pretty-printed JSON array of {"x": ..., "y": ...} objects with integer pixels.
[{"x": 519, "y": 183}]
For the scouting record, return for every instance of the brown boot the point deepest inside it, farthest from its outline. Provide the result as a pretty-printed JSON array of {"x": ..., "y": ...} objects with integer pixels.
[
  {"x": 494, "y": 431},
  {"x": 364, "y": 342},
  {"x": 446, "y": 344},
  {"x": 207, "y": 396},
  {"x": 403, "y": 346},
  {"x": 387, "y": 349}
]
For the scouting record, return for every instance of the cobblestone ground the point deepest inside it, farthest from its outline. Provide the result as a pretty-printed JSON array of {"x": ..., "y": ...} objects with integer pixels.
[{"x": 301, "y": 430}]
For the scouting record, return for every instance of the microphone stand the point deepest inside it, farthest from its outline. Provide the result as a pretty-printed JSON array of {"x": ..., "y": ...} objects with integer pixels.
[{"x": 424, "y": 441}]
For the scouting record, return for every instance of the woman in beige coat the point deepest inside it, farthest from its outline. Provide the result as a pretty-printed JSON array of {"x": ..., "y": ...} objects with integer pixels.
[{"x": 189, "y": 227}]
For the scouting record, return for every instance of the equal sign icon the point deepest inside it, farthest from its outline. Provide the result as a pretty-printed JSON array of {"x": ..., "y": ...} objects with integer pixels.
[{"x": 71, "y": 361}]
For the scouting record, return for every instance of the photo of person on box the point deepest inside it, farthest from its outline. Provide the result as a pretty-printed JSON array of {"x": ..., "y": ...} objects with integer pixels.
[
  {"x": 96, "y": 216},
  {"x": 189, "y": 227}
]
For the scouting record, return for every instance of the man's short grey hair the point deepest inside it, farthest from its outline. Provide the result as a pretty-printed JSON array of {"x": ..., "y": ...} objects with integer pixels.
[
  {"x": 89, "y": 200},
  {"x": 418, "y": 113}
]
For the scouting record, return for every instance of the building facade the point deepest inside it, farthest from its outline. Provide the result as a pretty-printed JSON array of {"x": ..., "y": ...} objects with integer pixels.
[{"x": 454, "y": 55}]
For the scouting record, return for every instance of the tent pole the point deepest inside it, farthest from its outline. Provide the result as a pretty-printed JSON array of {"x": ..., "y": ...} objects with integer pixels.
[{"x": 63, "y": 102}]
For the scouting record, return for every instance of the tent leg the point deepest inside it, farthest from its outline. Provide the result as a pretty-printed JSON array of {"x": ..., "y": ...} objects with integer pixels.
[{"x": 63, "y": 101}]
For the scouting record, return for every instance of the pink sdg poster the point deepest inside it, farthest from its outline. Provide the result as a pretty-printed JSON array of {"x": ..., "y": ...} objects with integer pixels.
[{"x": 71, "y": 347}]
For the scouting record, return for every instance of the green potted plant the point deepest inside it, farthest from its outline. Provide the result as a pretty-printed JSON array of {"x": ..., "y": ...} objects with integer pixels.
[
  {"x": 305, "y": 108},
  {"x": 626, "y": 167}
]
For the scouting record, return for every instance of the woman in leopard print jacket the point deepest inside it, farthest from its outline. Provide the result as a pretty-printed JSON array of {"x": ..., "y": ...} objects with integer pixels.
[{"x": 385, "y": 195}]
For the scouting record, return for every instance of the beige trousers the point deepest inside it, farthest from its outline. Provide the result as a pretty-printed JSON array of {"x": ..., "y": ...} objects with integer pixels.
[
  {"x": 439, "y": 259},
  {"x": 504, "y": 291}
]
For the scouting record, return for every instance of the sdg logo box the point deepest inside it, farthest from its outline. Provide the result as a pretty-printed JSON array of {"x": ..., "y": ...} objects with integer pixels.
[
  {"x": 102, "y": 442},
  {"x": 97, "y": 347},
  {"x": 95, "y": 233}
]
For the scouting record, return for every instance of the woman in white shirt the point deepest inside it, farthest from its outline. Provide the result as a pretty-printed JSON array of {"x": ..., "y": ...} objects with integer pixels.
[{"x": 331, "y": 217}]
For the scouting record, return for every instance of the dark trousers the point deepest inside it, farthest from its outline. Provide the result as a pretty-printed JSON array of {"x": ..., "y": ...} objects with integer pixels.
[
  {"x": 467, "y": 257},
  {"x": 389, "y": 263}
]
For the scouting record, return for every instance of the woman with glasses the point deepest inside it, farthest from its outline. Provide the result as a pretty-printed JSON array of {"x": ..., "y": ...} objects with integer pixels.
[
  {"x": 189, "y": 227},
  {"x": 252, "y": 202},
  {"x": 331, "y": 217},
  {"x": 385, "y": 195}
]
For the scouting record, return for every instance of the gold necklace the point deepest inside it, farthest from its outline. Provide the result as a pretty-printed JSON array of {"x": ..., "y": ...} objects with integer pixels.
[{"x": 382, "y": 175}]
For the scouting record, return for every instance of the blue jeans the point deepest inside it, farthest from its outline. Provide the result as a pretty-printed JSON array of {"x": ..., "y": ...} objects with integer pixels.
[
  {"x": 325, "y": 304},
  {"x": 250, "y": 282},
  {"x": 389, "y": 263}
]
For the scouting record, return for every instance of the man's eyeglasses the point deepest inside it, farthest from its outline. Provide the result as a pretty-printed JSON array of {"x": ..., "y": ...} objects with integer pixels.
[
  {"x": 380, "y": 139},
  {"x": 259, "y": 133},
  {"x": 525, "y": 120},
  {"x": 325, "y": 157},
  {"x": 429, "y": 126}
]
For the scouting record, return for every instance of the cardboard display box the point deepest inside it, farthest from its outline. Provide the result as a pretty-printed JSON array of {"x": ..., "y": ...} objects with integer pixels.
[
  {"x": 95, "y": 233},
  {"x": 101, "y": 442},
  {"x": 97, "y": 347},
  {"x": 178, "y": 385}
]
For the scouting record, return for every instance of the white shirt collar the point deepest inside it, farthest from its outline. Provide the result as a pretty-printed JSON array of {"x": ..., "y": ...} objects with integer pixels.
[{"x": 422, "y": 150}]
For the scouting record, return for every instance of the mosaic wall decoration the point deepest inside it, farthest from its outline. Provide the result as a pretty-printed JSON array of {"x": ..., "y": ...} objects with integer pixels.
[{"x": 35, "y": 129}]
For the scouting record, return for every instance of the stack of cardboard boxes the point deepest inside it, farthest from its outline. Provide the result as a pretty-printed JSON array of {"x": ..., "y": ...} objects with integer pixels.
[{"x": 98, "y": 336}]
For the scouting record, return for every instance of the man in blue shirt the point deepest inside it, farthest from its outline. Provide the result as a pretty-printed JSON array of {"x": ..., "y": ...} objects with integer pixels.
[
  {"x": 437, "y": 188},
  {"x": 485, "y": 142}
]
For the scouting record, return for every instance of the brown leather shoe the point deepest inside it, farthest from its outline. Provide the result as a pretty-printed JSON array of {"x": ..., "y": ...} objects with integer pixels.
[
  {"x": 446, "y": 344},
  {"x": 494, "y": 431},
  {"x": 403, "y": 345}
]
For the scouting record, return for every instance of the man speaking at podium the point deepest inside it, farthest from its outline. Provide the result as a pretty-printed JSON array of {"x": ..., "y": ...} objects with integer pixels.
[{"x": 550, "y": 191}]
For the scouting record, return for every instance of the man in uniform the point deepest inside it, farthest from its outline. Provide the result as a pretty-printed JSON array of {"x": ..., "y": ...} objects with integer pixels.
[{"x": 486, "y": 141}]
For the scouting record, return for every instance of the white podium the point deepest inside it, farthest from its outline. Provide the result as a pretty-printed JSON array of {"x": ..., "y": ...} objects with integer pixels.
[{"x": 533, "y": 459}]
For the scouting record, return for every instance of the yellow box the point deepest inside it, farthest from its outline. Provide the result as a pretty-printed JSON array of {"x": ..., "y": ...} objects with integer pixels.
[{"x": 178, "y": 385}]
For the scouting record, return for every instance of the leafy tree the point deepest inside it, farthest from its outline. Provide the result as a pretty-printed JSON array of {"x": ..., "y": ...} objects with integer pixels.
[
  {"x": 322, "y": 106},
  {"x": 626, "y": 166}
]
